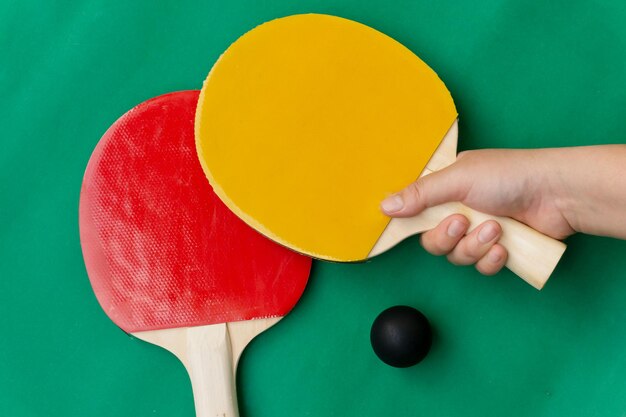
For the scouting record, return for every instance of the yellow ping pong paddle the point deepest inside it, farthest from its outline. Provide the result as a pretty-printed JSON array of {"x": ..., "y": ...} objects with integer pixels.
[{"x": 306, "y": 123}]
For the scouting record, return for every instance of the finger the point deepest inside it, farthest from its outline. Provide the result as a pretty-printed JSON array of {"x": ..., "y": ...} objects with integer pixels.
[
  {"x": 443, "y": 238},
  {"x": 430, "y": 190},
  {"x": 476, "y": 244},
  {"x": 493, "y": 261}
]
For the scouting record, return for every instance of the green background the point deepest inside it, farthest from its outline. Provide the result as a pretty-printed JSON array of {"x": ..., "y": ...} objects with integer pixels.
[{"x": 523, "y": 74}]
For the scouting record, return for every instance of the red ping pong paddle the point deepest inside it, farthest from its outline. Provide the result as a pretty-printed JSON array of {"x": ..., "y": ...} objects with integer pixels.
[{"x": 168, "y": 262}]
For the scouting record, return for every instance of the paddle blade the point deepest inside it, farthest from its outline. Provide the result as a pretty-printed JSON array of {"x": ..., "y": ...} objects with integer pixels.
[
  {"x": 160, "y": 248},
  {"x": 306, "y": 123}
]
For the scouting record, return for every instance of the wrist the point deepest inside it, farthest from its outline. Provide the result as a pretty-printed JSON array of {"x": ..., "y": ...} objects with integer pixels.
[{"x": 559, "y": 166}]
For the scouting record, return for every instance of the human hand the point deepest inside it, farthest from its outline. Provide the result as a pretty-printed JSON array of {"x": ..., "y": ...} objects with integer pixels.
[{"x": 515, "y": 183}]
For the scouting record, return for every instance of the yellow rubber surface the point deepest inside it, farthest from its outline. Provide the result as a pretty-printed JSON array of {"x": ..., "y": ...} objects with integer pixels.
[{"x": 307, "y": 122}]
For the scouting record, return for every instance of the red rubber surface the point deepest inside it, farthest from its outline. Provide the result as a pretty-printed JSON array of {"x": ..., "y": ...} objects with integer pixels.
[{"x": 161, "y": 250}]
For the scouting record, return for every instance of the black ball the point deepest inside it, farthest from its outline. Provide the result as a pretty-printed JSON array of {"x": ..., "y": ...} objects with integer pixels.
[{"x": 401, "y": 336}]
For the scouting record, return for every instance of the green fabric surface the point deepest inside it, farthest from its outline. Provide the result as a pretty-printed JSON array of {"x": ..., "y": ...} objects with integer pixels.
[{"x": 523, "y": 74}]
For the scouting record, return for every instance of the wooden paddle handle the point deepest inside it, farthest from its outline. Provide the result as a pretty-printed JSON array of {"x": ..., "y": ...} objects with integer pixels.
[
  {"x": 532, "y": 255},
  {"x": 206, "y": 353},
  {"x": 209, "y": 363}
]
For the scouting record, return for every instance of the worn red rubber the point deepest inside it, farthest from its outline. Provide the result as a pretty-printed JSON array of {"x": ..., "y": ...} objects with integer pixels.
[{"x": 161, "y": 249}]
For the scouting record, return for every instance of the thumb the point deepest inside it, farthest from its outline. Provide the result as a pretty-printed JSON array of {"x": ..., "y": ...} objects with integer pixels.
[{"x": 430, "y": 190}]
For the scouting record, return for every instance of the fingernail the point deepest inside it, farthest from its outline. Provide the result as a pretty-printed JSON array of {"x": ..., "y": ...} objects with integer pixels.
[
  {"x": 456, "y": 228},
  {"x": 494, "y": 257},
  {"x": 487, "y": 233},
  {"x": 392, "y": 204}
]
